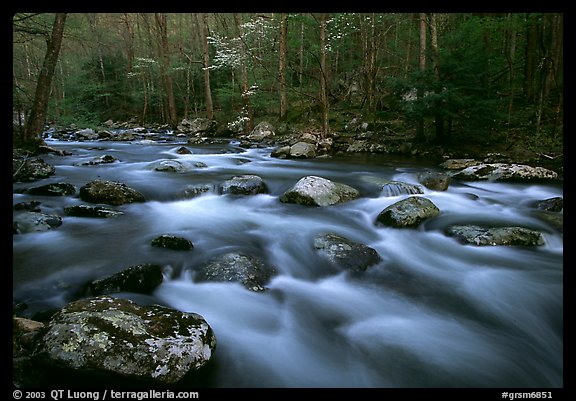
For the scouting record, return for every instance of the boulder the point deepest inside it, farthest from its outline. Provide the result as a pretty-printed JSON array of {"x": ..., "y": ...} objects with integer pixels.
[
  {"x": 141, "y": 279},
  {"x": 108, "y": 335},
  {"x": 343, "y": 253},
  {"x": 409, "y": 212},
  {"x": 482, "y": 236},
  {"x": 317, "y": 191},
  {"x": 109, "y": 192}
]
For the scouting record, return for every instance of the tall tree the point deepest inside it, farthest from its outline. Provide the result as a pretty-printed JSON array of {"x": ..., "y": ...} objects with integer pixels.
[
  {"x": 37, "y": 118},
  {"x": 323, "y": 77},
  {"x": 422, "y": 69},
  {"x": 206, "y": 58},
  {"x": 244, "y": 77},
  {"x": 438, "y": 109},
  {"x": 282, "y": 64},
  {"x": 164, "y": 55}
]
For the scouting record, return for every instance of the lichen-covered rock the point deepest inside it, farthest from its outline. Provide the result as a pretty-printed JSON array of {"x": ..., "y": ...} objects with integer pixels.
[
  {"x": 172, "y": 242},
  {"x": 244, "y": 185},
  {"x": 409, "y": 212},
  {"x": 119, "y": 337},
  {"x": 29, "y": 222},
  {"x": 27, "y": 170},
  {"x": 169, "y": 166},
  {"x": 505, "y": 172},
  {"x": 346, "y": 254},
  {"x": 302, "y": 150},
  {"x": 252, "y": 272},
  {"x": 140, "y": 278},
  {"x": 482, "y": 236},
  {"x": 317, "y": 191},
  {"x": 262, "y": 131},
  {"x": 110, "y": 193}
]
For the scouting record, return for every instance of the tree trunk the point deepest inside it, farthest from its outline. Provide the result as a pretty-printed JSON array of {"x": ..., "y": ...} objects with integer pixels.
[
  {"x": 282, "y": 64},
  {"x": 438, "y": 113},
  {"x": 422, "y": 68},
  {"x": 301, "y": 55},
  {"x": 37, "y": 118},
  {"x": 323, "y": 77},
  {"x": 249, "y": 126},
  {"x": 164, "y": 55},
  {"x": 208, "y": 91}
]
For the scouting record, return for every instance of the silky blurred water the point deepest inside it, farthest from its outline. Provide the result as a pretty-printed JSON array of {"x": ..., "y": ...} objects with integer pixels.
[{"x": 433, "y": 313}]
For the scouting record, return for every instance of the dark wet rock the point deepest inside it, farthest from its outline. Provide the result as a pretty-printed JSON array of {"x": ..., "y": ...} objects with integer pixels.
[
  {"x": 555, "y": 204},
  {"x": 30, "y": 222},
  {"x": 183, "y": 150},
  {"x": 554, "y": 219},
  {"x": 251, "y": 271},
  {"x": 109, "y": 192},
  {"x": 244, "y": 185},
  {"x": 172, "y": 242},
  {"x": 505, "y": 172},
  {"x": 409, "y": 212},
  {"x": 53, "y": 189},
  {"x": 91, "y": 211},
  {"x": 116, "y": 336},
  {"x": 141, "y": 279},
  {"x": 434, "y": 180},
  {"x": 30, "y": 169},
  {"x": 26, "y": 334},
  {"x": 344, "y": 253},
  {"x": 104, "y": 159},
  {"x": 317, "y": 191},
  {"x": 482, "y": 236},
  {"x": 32, "y": 206}
]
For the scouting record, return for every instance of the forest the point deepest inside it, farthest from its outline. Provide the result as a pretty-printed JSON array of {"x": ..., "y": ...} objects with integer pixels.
[{"x": 487, "y": 79}]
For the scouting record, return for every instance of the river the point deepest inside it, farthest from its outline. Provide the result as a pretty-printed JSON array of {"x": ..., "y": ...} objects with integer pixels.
[{"x": 433, "y": 313}]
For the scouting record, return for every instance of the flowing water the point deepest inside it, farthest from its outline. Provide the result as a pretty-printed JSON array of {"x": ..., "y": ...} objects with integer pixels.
[{"x": 433, "y": 313}]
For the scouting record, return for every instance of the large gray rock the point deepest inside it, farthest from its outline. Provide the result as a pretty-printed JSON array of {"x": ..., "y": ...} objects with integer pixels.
[
  {"x": 119, "y": 337},
  {"x": 434, "y": 180},
  {"x": 346, "y": 254},
  {"x": 317, "y": 191},
  {"x": 247, "y": 184},
  {"x": 303, "y": 150},
  {"x": 27, "y": 170},
  {"x": 505, "y": 172},
  {"x": 262, "y": 131},
  {"x": 482, "y": 236},
  {"x": 252, "y": 272},
  {"x": 30, "y": 222},
  {"x": 109, "y": 192},
  {"x": 409, "y": 212}
]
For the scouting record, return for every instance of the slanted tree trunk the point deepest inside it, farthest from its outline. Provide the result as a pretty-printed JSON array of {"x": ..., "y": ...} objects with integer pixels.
[{"x": 37, "y": 118}]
